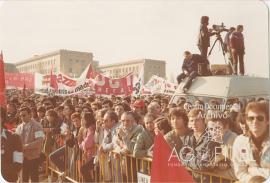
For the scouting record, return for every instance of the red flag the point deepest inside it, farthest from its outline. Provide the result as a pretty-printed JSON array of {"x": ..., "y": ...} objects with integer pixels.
[
  {"x": 90, "y": 73},
  {"x": 24, "y": 90},
  {"x": 2, "y": 82},
  {"x": 164, "y": 168},
  {"x": 53, "y": 80}
]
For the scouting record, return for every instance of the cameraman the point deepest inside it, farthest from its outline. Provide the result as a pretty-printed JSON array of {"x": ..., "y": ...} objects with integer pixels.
[
  {"x": 190, "y": 68},
  {"x": 204, "y": 36}
]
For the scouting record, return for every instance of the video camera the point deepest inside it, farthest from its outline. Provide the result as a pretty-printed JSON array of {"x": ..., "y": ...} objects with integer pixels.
[{"x": 220, "y": 28}]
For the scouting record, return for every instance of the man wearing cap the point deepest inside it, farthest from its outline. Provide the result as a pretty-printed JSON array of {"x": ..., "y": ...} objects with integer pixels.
[{"x": 139, "y": 107}]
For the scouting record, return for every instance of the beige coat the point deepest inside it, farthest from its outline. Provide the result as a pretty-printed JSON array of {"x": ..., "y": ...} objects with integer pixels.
[{"x": 32, "y": 136}]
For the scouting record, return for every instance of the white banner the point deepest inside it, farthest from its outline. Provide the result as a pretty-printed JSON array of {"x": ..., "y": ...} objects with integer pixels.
[
  {"x": 142, "y": 178},
  {"x": 158, "y": 85},
  {"x": 138, "y": 83},
  {"x": 66, "y": 85}
]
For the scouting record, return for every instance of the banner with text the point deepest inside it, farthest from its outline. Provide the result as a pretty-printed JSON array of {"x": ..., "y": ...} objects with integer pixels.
[
  {"x": 158, "y": 85},
  {"x": 108, "y": 86},
  {"x": 19, "y": 80}
]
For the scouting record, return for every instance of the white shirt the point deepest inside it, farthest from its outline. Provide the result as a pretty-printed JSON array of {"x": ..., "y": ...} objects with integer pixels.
[{"x": 245, "y": 165}]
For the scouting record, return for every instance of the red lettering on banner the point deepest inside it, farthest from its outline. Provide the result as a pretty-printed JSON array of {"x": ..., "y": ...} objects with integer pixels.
[
  {"x": 114, "y": 84},
  {"x": 18, "y": 80},
  {"x": 108, "y": 86},
  {"x": 100, "y": 80}
]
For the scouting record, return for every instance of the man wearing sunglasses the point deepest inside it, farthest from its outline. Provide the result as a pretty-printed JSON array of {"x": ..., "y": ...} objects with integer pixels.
[
  {"x": 251, "y": 150},
  {"x": 31, "y": 133}
]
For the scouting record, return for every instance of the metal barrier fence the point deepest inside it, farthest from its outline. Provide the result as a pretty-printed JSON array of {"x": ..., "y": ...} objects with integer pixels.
[{"x": 115, "y": 167}]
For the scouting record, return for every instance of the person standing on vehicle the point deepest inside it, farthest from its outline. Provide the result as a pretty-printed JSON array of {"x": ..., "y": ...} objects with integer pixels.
[
  {"x": 238, "y": 50},
  {"x": 204, "y": 36}
]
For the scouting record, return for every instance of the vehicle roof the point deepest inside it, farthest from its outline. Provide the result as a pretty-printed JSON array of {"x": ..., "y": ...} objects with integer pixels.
[{"x": 227, "y": 86}]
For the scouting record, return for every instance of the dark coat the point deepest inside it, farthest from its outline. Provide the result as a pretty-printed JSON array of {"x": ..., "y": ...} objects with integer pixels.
[
  {"x": 237, "y": 41},
  {"x": 176, "y": 141},
  {"x": 10, "y": 143},
  {"x": 203, "y": 152},
  {"x": 204, "y": 36},
  {"x": 192, "y": 64}
]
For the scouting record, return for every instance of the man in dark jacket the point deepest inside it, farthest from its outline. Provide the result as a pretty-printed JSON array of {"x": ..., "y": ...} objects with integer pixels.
[
  {"x": 199, "y": 152},
  {"x": 11, "y": 152},
  {"x": 190, "y": 68},
  {"x": 204, "y": 36},
  {"x": 238, "y": 49}
]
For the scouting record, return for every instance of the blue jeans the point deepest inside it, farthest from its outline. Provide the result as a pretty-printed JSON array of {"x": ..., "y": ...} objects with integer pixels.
[{"x": 58, "y": 158}]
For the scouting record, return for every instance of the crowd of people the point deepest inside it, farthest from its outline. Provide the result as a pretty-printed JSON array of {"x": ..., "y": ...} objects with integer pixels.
[{"x": 233, "y": 142}]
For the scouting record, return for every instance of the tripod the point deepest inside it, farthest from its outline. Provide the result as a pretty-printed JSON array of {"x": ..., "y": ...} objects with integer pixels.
[{"x": 219, "y": 38}]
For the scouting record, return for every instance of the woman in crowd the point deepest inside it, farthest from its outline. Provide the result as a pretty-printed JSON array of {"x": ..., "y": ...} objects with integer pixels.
[
  {"x": 251, "y": 150},
  {"x": 162, "y": 125},
  {"x": 87, "y": 145}
]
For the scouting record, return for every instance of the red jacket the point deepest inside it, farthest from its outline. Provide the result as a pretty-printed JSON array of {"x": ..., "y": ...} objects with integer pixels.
[{"x": 237, "y": 41}]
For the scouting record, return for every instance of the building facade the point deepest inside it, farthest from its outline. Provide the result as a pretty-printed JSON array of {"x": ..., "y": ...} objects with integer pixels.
[
  {"x": 148, "y": 66},
  {"x": 10, "y": 68},
  {"x": 71, "y": 63}
]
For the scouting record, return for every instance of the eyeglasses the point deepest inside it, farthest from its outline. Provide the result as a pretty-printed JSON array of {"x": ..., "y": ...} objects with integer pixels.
[{"x": 252, "y": 118}]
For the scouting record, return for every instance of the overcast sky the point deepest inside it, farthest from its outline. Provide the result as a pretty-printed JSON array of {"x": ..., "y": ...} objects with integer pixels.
[{"x": 116, "y": 31}]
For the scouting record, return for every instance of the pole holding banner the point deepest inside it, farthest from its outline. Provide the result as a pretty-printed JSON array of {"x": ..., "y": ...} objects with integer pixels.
[{"x": 2, "y": 82}]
